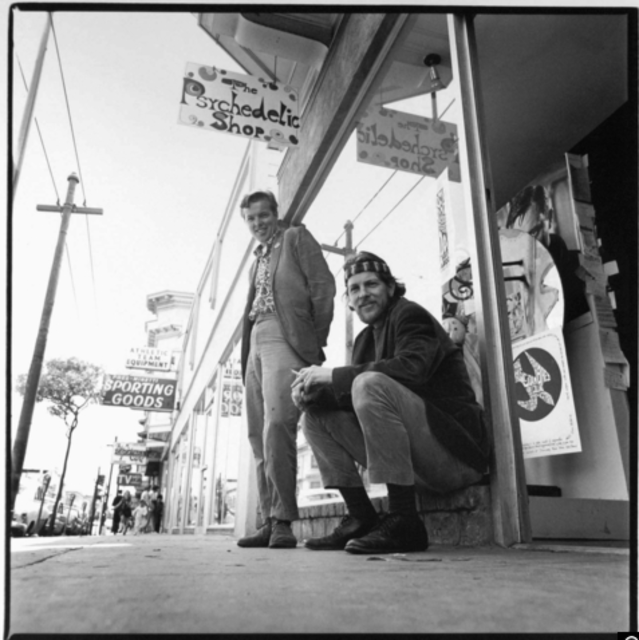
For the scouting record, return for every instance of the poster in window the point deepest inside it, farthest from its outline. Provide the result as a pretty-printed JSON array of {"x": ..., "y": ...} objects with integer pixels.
[{"x": 543, "y": 395}]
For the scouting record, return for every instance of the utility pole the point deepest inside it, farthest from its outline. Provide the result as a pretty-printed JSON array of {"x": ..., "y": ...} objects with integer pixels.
[
  {"x": 33, "y": 377},
  {"x": 347, "y": 252},
  {"x": 29, "y": 107},
  {"x": 45, "y": 488},
  {"x": 95, "y": 495}
]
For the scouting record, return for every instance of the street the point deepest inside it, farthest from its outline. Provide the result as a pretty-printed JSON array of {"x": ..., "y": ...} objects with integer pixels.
[{"x": 160, "y": 583}]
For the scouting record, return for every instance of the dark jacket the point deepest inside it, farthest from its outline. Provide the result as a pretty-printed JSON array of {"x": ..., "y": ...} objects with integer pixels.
[
  {"x": 416, "y": 351},
  {"x": 303, "y": 290}
]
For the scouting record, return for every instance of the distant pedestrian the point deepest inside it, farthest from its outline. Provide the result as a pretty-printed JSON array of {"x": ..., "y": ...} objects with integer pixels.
[
  {"x": 151, "y": 501},
  {"x": 158, "y": 512},
  {"x": 127, "y": 513},
  {"x": 140, "y": 514},
  {"x": 117, "y": 511}
]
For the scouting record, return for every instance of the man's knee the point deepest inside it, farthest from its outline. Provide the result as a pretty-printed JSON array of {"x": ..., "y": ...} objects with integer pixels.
[
  {"x": 367, "y": 387},
  {"x": 311, "y": 422}
]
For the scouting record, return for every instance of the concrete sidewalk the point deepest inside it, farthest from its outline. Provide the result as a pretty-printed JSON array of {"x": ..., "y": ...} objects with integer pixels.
[{"x": 207, "y": 584}]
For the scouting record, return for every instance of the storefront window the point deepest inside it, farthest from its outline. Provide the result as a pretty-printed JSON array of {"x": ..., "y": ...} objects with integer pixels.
[
  {"x": 229, "y": 430},
  {"x": 548, "y": 163},
  {"x": 397, "y": 180},
  {"x": 209, "y": 423},
  {"x": 197, "y": 462},
  {"x": 181, "y": 463}
]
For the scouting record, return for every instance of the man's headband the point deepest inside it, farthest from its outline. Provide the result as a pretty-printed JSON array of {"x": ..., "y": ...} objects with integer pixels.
[{"x": 363, "y": 263}]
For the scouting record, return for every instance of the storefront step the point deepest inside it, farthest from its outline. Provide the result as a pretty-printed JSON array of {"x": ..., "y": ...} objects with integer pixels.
[{"x": 459, "y": 518}]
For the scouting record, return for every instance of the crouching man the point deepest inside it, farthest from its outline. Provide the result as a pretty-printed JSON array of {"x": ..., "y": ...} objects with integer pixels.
[{"x": 404, "y": 409}]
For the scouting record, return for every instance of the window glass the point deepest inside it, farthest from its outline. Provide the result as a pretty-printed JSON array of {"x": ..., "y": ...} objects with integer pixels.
[
  {"x": 227, "y": 442},
  {"x": 397, "y": 180},
  {"x": 199, "y": 432}
]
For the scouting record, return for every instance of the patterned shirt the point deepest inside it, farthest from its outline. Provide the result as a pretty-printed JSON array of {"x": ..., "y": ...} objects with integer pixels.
[{"x": 263, "y": 301}]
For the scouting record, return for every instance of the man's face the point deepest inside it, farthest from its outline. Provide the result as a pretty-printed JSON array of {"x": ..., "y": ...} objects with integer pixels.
[
  {"x": 261, "y": 221},
  {"x": 370, "y": 297}
]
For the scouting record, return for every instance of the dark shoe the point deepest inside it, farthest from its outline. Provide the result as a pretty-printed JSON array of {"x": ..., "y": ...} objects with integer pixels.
[
  {"x": 346, "y": 530},
  {"x": 259, "y": 539},
  {"x": 396, "y": 533},
  {"x": 282, "y": 537}
]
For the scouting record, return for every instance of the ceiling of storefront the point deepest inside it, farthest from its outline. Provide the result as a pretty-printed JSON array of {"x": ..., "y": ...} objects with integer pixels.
[{"x": 547, "y": 80}]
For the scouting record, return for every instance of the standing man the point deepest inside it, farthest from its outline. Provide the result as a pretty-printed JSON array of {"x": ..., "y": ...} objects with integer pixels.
[
  {"x": 404, "y": 409},
  {"x": 288, "y": 315}
]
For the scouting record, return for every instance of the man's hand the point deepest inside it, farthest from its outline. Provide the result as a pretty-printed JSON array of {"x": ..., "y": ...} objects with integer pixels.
[
  {"x": 312, "y": 378},
  {"x": 308, "y": 384}
]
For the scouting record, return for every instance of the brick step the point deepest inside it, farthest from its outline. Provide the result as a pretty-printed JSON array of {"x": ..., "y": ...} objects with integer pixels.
[{"x": 459, "y": 518}]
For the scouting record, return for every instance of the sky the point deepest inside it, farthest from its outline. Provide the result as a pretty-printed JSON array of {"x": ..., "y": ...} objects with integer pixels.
[{"x": 162, "y": 186}]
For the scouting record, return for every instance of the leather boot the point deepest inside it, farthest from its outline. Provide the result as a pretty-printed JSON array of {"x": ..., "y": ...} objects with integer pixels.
[{"x": 260, "y": 538}]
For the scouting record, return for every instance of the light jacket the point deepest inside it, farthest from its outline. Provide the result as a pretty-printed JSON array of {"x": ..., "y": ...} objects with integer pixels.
[{"x": 303, "y": 290}]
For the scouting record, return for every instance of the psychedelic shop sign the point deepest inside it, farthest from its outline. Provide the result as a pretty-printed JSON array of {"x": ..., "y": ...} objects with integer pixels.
[
  {"x": 149, "y": 358},
  {"x": 137, "y": 392},
  {"x": 218, "y": 100},
  {"x": 408, "y": 142},
  {"x": 543, "y": 395}
]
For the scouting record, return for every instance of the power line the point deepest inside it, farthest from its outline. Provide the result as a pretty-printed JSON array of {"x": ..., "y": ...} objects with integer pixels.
[
  {"x": 55, "y": 188},
  {"x": 393, "y": 209},
  {"x": 384, "y": 218},
  {"x": 26, "y": 86},
  {"x": 66, "y": 99},
  {"x": 77, "y": 156},
  {"x": 366, "y": 206}
]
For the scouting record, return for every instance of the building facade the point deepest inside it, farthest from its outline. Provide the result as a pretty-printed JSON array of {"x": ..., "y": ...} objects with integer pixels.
[{"x": 490, "y": 159}]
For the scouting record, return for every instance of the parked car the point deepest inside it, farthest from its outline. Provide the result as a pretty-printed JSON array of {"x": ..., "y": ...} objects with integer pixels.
[
  {"x": 19, "y": 526},
  {"x": 72, "y": 522},
  {"x": 29, "y": 516},
  {"x": 312, "y": 497}
]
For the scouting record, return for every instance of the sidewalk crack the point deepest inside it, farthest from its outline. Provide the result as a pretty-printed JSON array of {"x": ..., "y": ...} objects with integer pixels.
[{"x": 53, "y": 555}]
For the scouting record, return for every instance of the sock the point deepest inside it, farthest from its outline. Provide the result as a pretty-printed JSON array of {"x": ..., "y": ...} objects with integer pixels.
[
  {"x": 401, "y": 499},
  {"x": 358, "y": 503}
]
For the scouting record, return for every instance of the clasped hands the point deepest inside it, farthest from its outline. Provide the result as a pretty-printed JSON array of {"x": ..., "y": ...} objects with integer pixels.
[{"x": 308, "y": 383}]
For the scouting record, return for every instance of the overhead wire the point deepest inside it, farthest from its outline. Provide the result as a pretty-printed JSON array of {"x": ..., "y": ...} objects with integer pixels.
[
  {"x": 393, "y": 209},
  {"x": 384, "y": 218},
  {"x": 77, "y": 156},
  {"x": 361, "y": 211},
  {"x": 46, "y": 155},
  {"x": 55, "y": 188}
]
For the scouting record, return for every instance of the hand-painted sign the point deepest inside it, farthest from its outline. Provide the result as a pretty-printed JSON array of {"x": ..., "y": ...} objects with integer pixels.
[
  {"x": 149, "y": 358},
  {"x": 137, "y": 392},
  {"x": 408, "y": 142},
  {"x": 128, "y": 453},
  {"x": 130, "y": 480},
  {"x": 241, "y": 105},
  {"x": 545, "y": 405}
]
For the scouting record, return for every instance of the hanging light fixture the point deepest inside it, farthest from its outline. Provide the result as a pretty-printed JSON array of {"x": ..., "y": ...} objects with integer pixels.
[{"x": 431, "y": 61}]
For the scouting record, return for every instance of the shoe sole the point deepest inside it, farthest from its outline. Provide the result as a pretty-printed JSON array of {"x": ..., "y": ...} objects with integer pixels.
[
  {"x": 373, "y": 551},
  {"x": 333, "y": 548},
  {"x": 283, "y": 545}
]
